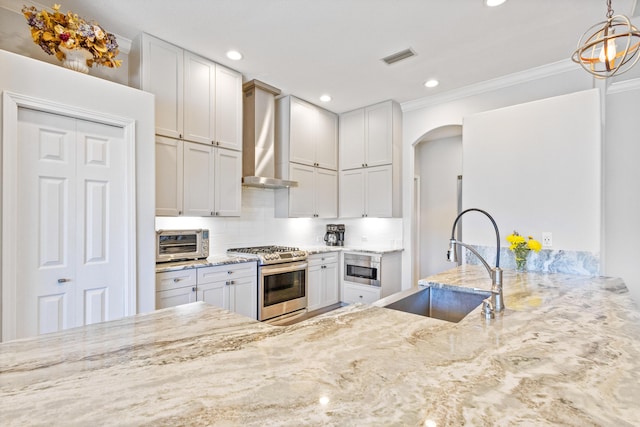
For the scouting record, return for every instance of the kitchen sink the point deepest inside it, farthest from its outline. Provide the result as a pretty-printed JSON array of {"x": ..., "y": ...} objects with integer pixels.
[{"x": 450, "y": 303}]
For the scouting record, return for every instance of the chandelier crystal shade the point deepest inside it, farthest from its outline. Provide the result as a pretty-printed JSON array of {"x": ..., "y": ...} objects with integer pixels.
[{"x": 609, "y": 47}]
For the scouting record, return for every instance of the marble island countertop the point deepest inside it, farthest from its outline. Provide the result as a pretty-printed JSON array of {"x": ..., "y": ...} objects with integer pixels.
[{"x": 565, "y": 352}]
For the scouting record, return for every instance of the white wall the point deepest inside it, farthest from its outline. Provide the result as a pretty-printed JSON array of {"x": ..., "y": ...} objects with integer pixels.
[
  {"x": 257, "y": 225},
  {"x": 438, "y": 164},
  {"x": 423, "y": 116},
  {"x": 44, "y": 81},
  {"x": 622, "y": 187},
  {"x": 535, "y": 167}
]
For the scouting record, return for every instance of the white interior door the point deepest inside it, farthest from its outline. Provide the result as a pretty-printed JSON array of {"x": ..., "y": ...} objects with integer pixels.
[{"x": 71, "y": 266}]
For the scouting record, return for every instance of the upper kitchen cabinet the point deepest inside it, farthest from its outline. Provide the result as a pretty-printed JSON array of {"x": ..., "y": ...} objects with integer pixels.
[
  {"x": 193, "y": 179},
  {"x": 370, "y": 136},
  {"x": 371, "y": 161},
  {"x": 196, "y": 99},
  {"x": 306, "y": 134}
]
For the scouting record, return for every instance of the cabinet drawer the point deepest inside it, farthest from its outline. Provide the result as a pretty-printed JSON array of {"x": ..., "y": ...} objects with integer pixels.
[
  {"x": 323, "y": 258},
  {"x": 226, "y": 272},
  {"x": 175, "y": 279},
  {"x": 357, "y": 293}
]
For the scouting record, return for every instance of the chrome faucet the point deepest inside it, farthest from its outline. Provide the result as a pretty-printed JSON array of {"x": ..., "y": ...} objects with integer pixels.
[{"x": 496, "y": 301}]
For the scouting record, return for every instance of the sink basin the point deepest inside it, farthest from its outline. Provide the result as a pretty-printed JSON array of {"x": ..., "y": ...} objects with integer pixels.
[{"x": 449, "y": 303}]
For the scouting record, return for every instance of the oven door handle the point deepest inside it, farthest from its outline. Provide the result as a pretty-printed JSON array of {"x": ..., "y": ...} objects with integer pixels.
[{"x": 286, "y": 268}]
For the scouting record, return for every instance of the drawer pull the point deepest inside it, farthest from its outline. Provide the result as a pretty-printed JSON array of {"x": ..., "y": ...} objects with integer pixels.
[{"x": 63, "y": 280}]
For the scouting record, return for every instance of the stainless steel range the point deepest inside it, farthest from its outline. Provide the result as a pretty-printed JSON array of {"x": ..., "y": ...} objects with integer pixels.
[{"x": 282, "y": 281}]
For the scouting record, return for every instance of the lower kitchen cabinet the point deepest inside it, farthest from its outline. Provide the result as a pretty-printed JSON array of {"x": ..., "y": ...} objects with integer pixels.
[
  {"x": 324, "y": 280},
  {"x": 233, "y": 287},
  {"x": 230, "y": 286},
  {"x": 353, "y": 293}
]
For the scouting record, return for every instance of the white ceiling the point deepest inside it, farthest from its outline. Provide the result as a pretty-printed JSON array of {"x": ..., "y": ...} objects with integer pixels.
[{"x": 311, "y": 47}]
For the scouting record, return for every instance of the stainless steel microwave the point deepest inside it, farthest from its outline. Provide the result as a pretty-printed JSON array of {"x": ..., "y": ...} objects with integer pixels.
[
  {"x": 174, "y": 245},
  {"x": 362, "y": 268}
]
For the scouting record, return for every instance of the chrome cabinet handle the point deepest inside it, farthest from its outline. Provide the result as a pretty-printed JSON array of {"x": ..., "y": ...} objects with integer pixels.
[
  {"x": 229, "y": 272},
  {"x": 63, "y": 280},
  {"x": 176, "y": 280}
]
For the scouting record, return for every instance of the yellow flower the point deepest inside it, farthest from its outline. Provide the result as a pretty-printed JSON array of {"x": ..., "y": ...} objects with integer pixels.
[{"x": 534, "y": 245}]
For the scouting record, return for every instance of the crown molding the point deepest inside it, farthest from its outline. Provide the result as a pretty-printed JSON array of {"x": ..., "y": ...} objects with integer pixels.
[
  {"x": 624, "y": 86},
  {"x": 536, "y": 73},
  {"x": 124, "y": 44}
]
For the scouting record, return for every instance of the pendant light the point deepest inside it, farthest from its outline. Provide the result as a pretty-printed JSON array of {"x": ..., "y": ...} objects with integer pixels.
[{"x": 609, "y": 47}]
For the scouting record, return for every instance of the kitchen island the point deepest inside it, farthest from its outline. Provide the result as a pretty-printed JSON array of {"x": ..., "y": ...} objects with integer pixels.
[{"x": 566, "y": 351}]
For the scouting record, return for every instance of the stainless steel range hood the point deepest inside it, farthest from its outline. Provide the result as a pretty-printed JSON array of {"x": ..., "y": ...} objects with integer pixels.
[{"x": 259, "y": 150}]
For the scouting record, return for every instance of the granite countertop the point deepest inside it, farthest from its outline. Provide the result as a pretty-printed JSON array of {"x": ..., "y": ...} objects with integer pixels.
[
  {"x": 565, "y": 351},
  {"x": 212, "y": 261}
]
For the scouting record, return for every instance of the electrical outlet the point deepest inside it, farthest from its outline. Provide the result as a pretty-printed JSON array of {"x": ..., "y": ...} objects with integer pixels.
[
  {"x": 365, "y": 238},
  {"x": 547, "y": 239}
]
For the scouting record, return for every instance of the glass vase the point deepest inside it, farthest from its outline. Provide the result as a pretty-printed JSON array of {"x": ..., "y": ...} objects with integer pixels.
[{"x": 521, "y": 263}]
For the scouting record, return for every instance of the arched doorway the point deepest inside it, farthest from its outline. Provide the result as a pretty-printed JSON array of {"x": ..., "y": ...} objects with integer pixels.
[{"x": 437, "y": 197}]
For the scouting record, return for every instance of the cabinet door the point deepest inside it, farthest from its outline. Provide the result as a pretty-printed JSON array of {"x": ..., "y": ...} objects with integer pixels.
[
  {"x": 168, "y": 176},
  {"x": 326, "y": 145},
  {"x": 352, "y": 193},
  {"x": 228, "y": 101},
  {"x": 331, "y": 281},
  {"x": 303, "y": 124},
  {"x": 302, "y": 197},
  {"x": 314, "y": 288},
  {"x": 360, "y": 293},
  {"x": 244, "y": 296},
  {"x": 163, "y": 76},
  {"x": 352, "y": 139},
  {"x": 228, "y": 182},
  {"x": 199, "y": 98},
  {"x": 326, "y": 189},
  {"x": 198, "y": 180},
  {"x": 174, "y": 297},
  {"x": 379, "y": 134},
  {"x": 378, "y": 192},
  {"x": 215, "y": 293}
]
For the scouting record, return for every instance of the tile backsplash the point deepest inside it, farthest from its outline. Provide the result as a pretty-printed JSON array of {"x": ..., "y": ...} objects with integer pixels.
[{"x": 257, "y": 225}]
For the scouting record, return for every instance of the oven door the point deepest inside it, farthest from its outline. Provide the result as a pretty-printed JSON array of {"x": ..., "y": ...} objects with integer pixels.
[{"x": 282, "y": 289}]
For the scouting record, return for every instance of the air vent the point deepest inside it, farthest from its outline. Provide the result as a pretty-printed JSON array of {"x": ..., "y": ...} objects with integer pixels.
[{"x": 399, "y": 56}]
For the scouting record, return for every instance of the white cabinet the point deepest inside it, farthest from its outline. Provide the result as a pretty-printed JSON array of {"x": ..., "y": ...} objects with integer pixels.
[
  {"x": 306, "y": 134},
  {"x": 175, "y": 288},
  {"x": 196, "y": 179},
  {"x": 366, "y": 136},
  {"x": 367, "y": 192},
  {"x": 324, "y": 281},
  {"x": 316, "y": 195},
  {"x": 307, "y": 137},
  {"x": 370, "y": 162},
  {"x": 169, "y": 165},
  {"x": 232, "y": 287},
  {"x": 353, "y": 293},
  {"x": 196, "y": 99}
]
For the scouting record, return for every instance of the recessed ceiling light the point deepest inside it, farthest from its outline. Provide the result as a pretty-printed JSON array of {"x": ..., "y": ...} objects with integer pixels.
[
  {"x": 493, "y": 3},
  {"x": 234, "y": 55},
  {"x": 325, "y": 98},
  {"x": 431, "y": 83}
]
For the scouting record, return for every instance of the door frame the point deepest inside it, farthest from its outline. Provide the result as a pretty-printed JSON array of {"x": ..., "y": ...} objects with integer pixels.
[{"x": 11, "y": 102}]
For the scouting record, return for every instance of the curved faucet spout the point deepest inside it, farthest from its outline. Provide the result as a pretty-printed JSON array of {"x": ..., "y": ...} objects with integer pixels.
[
  {"x": 495, "y": 227},
  {"x": 497, "y": 301}
]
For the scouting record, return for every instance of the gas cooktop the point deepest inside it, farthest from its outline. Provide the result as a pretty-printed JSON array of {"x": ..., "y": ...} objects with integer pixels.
[{"x": 271, "y": 254}]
